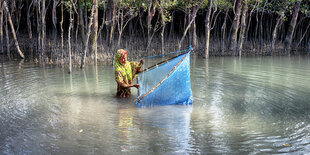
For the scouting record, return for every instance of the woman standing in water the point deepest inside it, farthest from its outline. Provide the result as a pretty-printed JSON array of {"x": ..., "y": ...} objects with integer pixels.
[{"x": 125, "y": 72}]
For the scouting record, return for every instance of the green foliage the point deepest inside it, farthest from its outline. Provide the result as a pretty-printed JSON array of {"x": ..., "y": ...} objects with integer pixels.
[
  {"x": 165, "y": 7},
  {"x": 305, "y": 7},
  {"x": 224, "y": 4}
]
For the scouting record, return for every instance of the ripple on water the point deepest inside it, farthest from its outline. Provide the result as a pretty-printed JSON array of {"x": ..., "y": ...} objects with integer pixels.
[{"x": 247, "y": 106}]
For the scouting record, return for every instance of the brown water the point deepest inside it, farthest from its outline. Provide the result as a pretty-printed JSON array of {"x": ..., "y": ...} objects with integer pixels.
[{"x": 256, "y": 105}]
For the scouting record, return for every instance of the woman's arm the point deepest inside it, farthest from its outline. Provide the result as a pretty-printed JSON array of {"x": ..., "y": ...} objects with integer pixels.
[
  {"x": 128, "y": 85},
  {"x": 120, "y": 81}
]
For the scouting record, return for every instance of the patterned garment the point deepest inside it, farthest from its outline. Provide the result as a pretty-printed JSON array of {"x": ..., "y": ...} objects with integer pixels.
[{"x": 125, "y": 72}]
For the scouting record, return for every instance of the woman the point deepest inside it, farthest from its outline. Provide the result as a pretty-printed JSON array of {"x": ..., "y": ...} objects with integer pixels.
[{"x": 125, "y": 72}]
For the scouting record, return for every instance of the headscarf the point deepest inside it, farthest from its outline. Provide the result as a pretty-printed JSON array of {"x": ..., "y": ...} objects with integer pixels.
[{"x": 122, "y": 68}]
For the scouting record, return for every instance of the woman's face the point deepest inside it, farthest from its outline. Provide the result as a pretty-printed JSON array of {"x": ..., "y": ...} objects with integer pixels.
[{"x": 124, "y": 59}]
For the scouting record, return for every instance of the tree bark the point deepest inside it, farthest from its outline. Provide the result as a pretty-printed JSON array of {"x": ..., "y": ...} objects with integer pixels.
[
  {"x": 100, "y": 38},
  {"x": 113, "y": 23},
  {"x": 249, "y": 21},
  {"x": 7, "y": 36},
  {"x": 275, "y": 31},
  {"x": 195, "y": 40},
  {"x": 28, "y": 20},
  {"x": 235, "y": 25},
  {"x": 122, "y": 22},
  {"x": 187, "y": 17},
  {"x": 190, "y": 23},
  {"x": 87, "y": 36},
  {"x": 224, "y": 32},
  {"x": 69, "y": 38},
  {"x": 243, "y": 27},
  {"x": 13, "y": 31},
  {"x": 261, "y": 27},
  {"x": 54, "y": 31},
  {"x": 54, "y": 13},
  {"x": 81, "y": 23},
  {"x": 207, "y": 27},
  {"x": 38, "y": 12},
  {"x": 43, "y": 28},
  {"x": 95, "y": 30},
  {"x": 163, "y": 23},
  {"x": 289, "y": 35},
  {"x": 62, "y": 30},
  {"x": 171, "y": 31},
  {"x": 308, "y": 47},
  {"x": 1, "y": 27},
  {"x": 150, "y": 14},
  {"x": 109, "y": 16}
]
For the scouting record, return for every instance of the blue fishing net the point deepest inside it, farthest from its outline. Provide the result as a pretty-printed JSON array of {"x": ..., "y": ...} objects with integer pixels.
[{"x": 175, "y": 89}]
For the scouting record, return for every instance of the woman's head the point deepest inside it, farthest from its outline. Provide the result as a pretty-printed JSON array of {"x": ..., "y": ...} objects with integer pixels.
[{"x": 121, "y": 56}]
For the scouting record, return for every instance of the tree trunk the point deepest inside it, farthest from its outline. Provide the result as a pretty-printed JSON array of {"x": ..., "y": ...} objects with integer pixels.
[
  {"x": 243, "y": 27},
  {"x": 113, "y": 23},
  {"x": 207, "y": 27},
  {"x": 121, "y": 23},
  {"x": 54, "y": 19},
  {"x": 308, "y": 47},
  {"x": 85, "y": 14},
  {"x": 54, "y": 13},
  {"x": 100, "y": 38},
  {"x": 162, "y": 36},
  {"x": 224, "y": 32},
  {"x": 81, "y": 23},
  {"x": 120, "y": 15},
  {"x": 195, "y": 40},
  {"x": 257, "y": 20},
  {"x": 188, "y": 16},
  {"x": 95, "y": 30},
  {"x": 289, "y": 35},
  {"x": 1, "y": 27},
  {"x": 171, "y": 31},
  {"x": 249, "y": 21},
  {"x": 28, "y": 20},
  {"x": 87, "y": 36},
  {"x": 163, "y": 23},
  {"x": 7, "y": 36},
  {"x": 150, "y": 14},
  {"x": 43, "y": 28},
  {"x": 190, "y": 23},
  {"x": 37, "y": 3},
  {"x": 109, "y": 18},
  {"x": 261, "y": 27},
  {"x": 235, "y": 26},
  {"x": 18, "y": 15},
  {"x": 69, "y": 38},
  {"x": 13, "y": 30},
  {"x": 275, "y": 31},
  {"x": 62, "y": 30}
]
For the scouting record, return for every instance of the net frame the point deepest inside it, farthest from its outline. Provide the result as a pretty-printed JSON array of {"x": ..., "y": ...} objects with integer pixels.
[{"x": 166, "y": 77}]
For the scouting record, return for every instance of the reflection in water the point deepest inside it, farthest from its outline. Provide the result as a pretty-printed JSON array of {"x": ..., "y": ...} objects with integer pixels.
[
  {"x": 241, "y": 106},
  {"x": 125, "y": 127},
  {"x": 167, "y": 128}
]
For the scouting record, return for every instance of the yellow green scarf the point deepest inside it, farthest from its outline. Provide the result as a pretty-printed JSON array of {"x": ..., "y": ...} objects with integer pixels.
[{"x": 123, "y": 69}]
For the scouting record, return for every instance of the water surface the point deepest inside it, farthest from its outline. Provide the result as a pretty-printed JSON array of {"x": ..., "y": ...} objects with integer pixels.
[{"x": 254, "y": 105}]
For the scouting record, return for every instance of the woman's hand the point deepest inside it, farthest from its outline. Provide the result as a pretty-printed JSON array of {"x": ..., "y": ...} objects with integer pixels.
[
  {"x": 136, "y": 85},
  {"x": 141, "y": 61}
]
